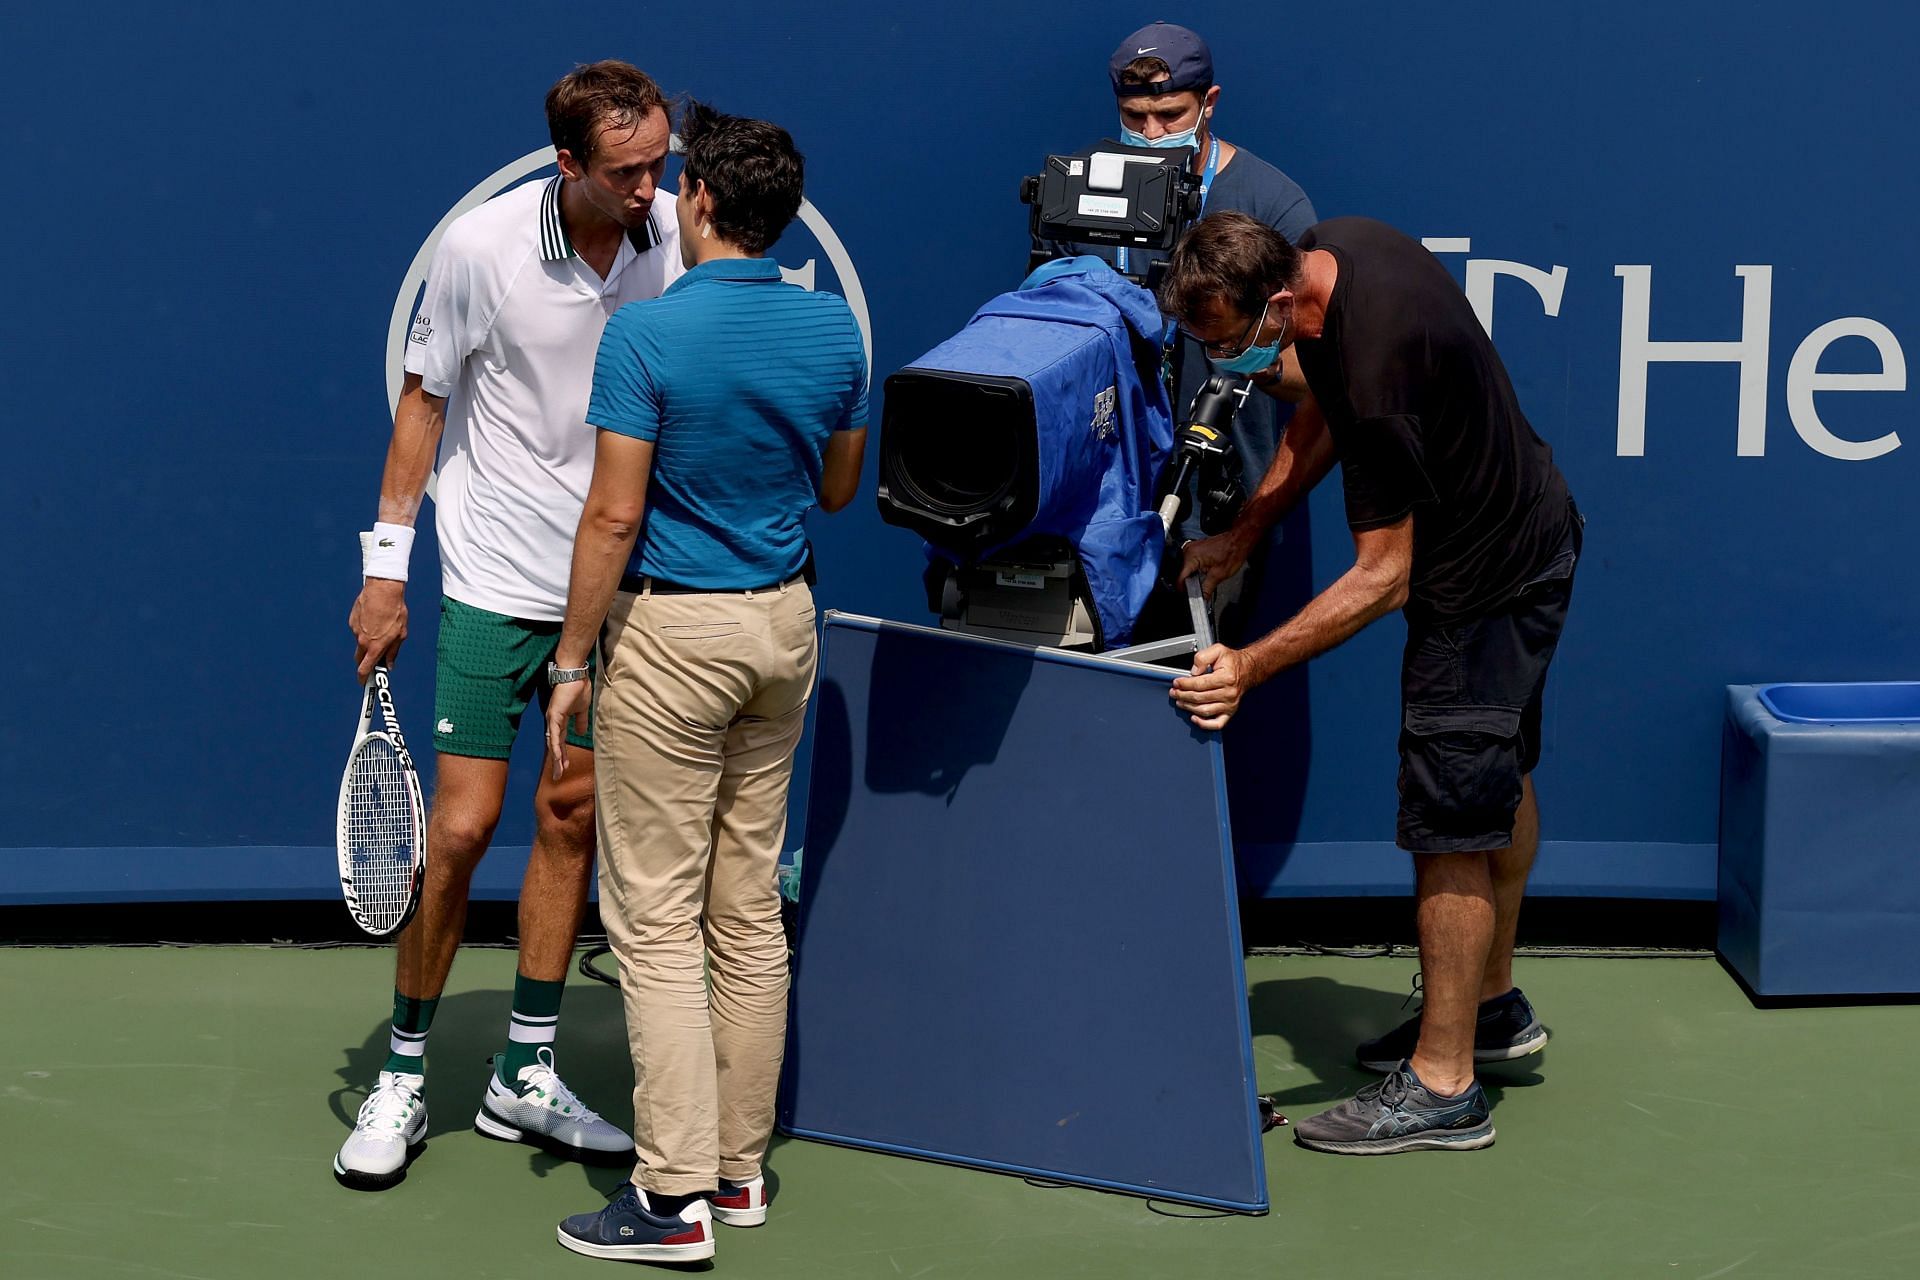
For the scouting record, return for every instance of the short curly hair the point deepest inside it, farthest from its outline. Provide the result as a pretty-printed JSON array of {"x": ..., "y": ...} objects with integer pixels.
[{"x": 751, "y": 169}]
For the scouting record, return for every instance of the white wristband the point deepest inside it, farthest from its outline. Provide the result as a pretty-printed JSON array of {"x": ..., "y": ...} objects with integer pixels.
[{"x": 384, "y": 552}]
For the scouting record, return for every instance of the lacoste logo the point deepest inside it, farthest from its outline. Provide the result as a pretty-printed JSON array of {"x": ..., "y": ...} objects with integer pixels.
[
  {"x": 626, "y": 1231},
  {"x": 445, "y": 726},
  {"x": 386, "y": 542},
  {"x": 1143, "y": 52}
]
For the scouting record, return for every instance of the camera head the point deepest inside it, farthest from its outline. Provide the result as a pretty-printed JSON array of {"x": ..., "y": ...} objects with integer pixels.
[
  {"x": 1141, "y": 199},
  {"x": 1027, "y": 448}
]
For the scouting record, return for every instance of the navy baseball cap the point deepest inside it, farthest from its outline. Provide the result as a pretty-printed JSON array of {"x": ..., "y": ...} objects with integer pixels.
[{"x": 1183, "y": 51}]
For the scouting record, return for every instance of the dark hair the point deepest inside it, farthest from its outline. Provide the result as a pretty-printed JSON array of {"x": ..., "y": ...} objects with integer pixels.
[
  {"x": 1145, "y": 71},
  {"x": 1232, "y": 257},
  {"x": 599, "y": 93},
  {"x": 751, "y": 169}
]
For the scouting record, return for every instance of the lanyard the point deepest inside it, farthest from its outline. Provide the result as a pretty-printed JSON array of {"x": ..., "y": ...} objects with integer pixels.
[{"x": 1206, "y": 185}]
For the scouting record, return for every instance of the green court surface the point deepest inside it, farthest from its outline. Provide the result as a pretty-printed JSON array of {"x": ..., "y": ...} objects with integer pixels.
[{"x": 172, "y": 1113}]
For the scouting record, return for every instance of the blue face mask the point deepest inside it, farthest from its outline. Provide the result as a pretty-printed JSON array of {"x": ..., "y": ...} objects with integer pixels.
[
  {"x": 1253, "y": 359},
  {"x": 1166, "y": 141}
]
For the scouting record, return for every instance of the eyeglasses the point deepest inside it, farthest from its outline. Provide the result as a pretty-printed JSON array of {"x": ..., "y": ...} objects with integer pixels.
[{"x": 1221, "y": 351}]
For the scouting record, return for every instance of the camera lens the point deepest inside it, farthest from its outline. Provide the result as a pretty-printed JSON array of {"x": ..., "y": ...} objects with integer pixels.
[
  {"x": 960, "y": 465},
  {"x": 951, "y": 458}
]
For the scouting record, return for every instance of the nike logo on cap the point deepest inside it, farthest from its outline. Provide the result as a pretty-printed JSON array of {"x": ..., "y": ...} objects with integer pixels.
[{"x": 1149, "y": 49}]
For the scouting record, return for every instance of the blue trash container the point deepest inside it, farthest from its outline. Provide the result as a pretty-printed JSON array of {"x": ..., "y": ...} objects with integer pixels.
[{"x": 1820, "y": 838}]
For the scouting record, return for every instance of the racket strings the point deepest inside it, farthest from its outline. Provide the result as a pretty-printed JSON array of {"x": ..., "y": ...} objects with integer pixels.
[{"x": 381, "y": 834}]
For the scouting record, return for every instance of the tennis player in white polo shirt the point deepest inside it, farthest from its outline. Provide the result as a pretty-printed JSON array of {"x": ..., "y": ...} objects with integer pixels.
[{"x": 499, "y": 370}]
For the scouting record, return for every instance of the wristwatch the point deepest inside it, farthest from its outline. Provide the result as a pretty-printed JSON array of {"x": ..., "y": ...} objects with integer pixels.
[{"x": 558, "y": 675}]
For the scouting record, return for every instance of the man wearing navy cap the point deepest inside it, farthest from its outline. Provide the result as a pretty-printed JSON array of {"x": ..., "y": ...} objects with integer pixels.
[{"x": 1162, "y": 78}]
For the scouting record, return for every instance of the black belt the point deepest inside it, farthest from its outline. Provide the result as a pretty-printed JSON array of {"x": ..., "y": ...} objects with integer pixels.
[{"x": 638, "y": 582}]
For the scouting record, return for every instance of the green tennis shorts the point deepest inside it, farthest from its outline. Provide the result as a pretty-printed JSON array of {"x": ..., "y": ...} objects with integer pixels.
[{"x": 490, "y": 667}]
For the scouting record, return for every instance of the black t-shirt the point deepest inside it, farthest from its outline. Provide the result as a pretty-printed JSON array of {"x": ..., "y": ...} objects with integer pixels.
[{"x": 1424, "y": 420}]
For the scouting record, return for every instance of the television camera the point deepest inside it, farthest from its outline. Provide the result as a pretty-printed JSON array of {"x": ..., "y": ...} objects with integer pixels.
[{"x": 990, "y": 452}]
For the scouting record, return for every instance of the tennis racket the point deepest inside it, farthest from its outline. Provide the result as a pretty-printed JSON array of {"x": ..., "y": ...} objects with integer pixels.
[{"x": 381, "y": 836}]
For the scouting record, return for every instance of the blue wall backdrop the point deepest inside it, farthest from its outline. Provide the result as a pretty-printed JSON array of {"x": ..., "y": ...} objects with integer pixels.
[{"x": 1670, "y": 211}]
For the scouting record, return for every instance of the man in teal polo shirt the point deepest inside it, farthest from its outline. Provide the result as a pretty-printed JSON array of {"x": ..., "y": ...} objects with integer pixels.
[{"x": 726, "y": 409}]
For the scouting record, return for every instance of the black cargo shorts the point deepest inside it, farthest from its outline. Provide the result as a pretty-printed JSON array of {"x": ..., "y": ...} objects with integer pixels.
[{"x": 1470, "y": 713}]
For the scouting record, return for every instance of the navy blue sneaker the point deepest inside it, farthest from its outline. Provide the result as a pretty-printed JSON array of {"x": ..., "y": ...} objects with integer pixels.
[
  {"x": 1400, "y": 1114},
  {"x": 629, "y": 1229},
  {"x": 1507, "y": 1029}
]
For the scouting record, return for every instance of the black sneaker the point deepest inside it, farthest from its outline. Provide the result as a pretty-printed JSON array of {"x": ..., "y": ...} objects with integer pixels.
[
  {"x": 1400, "y": 1114},
  {"x": 1507, "y": 1029}
]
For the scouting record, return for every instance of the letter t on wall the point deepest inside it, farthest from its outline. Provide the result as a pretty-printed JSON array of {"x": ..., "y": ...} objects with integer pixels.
[{"x": 1481, "y": 273}]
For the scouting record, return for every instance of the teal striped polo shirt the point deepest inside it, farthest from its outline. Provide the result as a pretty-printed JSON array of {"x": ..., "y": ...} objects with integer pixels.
[{"x": 739, "y": 379}]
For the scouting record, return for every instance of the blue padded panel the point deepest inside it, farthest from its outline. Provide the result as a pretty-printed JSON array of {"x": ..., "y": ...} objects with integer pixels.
[{"x": 1019, "y": 946}]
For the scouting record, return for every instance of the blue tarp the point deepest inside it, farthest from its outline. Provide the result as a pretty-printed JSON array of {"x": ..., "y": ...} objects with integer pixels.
[{"x": 1087, "y": 342}]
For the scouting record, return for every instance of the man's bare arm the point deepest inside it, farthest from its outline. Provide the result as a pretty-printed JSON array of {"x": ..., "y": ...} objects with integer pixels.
[
  {"x": 1375, "y": 586},
  {"x": 840, "y": 470},
  {"x": 418, "y": 423},
  {"x": 609, "y": 525},
  {"x": 602, "y": 547},
  {"x": 379, "y": 616},
  {"x": 1303, "y": 459}
]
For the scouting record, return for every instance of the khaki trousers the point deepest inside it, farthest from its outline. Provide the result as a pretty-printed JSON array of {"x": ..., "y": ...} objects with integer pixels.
[{"x": 699, "y": 707}]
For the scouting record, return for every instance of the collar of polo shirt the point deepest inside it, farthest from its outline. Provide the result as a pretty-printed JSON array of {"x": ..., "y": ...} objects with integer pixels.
[
  {"x": 557, "y": 246},
  {"x": 749, "y": 269}
]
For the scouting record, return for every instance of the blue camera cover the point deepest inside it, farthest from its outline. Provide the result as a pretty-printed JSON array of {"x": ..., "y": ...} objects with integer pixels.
[{"x": 1087, "y": 342}]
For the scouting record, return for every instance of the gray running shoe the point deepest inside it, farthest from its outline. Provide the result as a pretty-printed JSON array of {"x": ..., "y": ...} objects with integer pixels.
[
  {"x": 1507, "y": 1029},
  {"x": 1400, "y": 1114},
  {"x": 540, "y": 1110}
]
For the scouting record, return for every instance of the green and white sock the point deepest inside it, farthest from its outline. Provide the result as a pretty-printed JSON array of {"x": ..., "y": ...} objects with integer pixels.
[
  {"x": 536, "y": 1016},
  {"x": 407, "y": 1048}
]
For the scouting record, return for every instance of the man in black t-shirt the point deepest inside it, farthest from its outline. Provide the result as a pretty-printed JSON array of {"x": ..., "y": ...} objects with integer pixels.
[{"x": 1460, "y": 518}]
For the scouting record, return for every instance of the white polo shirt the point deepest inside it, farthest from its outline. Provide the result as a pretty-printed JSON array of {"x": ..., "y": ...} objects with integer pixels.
[{"x": 507, "y": 331}]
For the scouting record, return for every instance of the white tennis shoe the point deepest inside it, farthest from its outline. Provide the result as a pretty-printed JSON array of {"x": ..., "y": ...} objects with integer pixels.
[
  {"x": 391, "y": 1124},
  {"x": 544, "y": 1113}
]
